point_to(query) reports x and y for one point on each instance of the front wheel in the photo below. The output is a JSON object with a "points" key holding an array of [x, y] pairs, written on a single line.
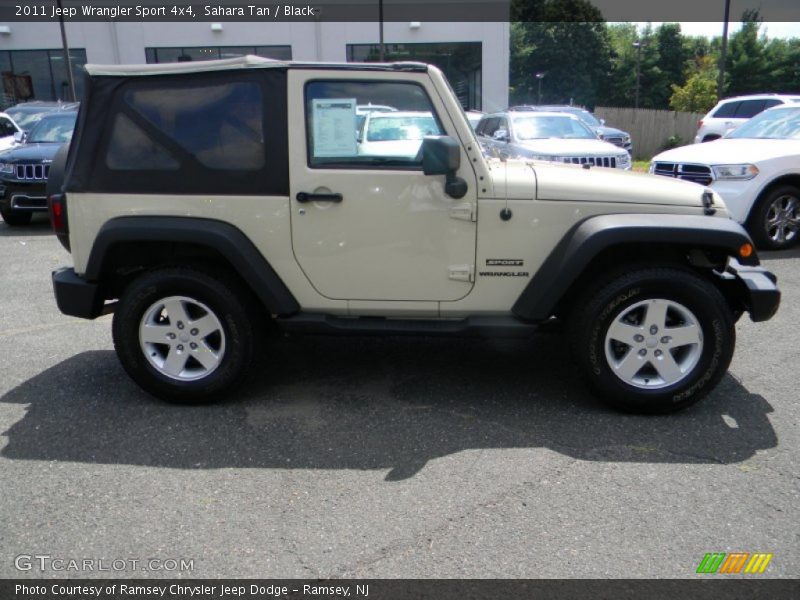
{"points": [[775, 220], [184, 335], [653, 340]]}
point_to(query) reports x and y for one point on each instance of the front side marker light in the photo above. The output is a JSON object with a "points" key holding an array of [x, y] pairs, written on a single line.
{"points": [[746, 250]]}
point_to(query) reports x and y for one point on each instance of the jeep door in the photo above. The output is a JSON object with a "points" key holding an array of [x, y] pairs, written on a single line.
{"points": [[367, 223]]}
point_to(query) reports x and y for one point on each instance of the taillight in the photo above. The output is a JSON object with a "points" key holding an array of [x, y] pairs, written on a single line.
{"points": [[57, 207], [699, 124]]}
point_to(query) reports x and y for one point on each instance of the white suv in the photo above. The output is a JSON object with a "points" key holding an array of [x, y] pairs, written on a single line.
{"points": [[756, 170], [729, 113]]}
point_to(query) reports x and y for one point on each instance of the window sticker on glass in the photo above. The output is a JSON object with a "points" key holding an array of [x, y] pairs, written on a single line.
{"points": [[334, 127]]}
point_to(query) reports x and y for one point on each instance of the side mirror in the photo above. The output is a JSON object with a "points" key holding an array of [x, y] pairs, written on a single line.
{"points": [[19, 137], [602, 121], [441, 155], [501, 135]]}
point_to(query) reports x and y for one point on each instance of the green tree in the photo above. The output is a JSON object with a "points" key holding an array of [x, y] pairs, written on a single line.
{"points": [[661, 61], [699, 93], [565, 39], [783, 60], [671, 61], [747, 69]]}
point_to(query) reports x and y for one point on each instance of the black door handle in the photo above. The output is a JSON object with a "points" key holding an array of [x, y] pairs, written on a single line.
{"points": [[306, 197]]}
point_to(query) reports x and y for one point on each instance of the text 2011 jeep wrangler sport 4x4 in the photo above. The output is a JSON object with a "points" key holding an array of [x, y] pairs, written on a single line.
{"points": [[208, 203]]}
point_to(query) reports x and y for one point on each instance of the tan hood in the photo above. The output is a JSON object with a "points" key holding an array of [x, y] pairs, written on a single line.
{"points": [[571, 182], [526, 180]]}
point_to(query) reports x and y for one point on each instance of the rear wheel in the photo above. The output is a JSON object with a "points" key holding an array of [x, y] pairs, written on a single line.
{"points": [[653, 340], [184, 335], [775, 220], [15, 219], [710, 138]]}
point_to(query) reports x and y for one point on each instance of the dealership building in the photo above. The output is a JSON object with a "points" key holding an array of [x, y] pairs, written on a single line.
{"points": [[474, 56]]}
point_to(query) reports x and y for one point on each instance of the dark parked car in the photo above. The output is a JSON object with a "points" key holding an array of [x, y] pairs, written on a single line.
{"points": [[27, 114], [24, 169], [611, 135]]}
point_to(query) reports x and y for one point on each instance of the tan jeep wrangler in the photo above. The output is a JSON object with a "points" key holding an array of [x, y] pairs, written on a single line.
{"points": [[207, 204]]}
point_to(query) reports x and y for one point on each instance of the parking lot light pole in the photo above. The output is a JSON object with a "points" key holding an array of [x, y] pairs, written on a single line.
{"points": [[381, 47], [638, 45], [540, 76], [723, 55], [67, 61]]}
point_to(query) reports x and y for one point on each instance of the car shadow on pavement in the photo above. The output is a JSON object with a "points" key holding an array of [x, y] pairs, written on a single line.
{"points": [[766, 256], [372, 403], [40, 225]]}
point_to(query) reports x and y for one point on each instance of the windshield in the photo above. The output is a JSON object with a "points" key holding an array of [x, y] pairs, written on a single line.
{"points": [[381, 129], [26, 118], [53, 128], [556, 126], [587, 117], [780, 124]]}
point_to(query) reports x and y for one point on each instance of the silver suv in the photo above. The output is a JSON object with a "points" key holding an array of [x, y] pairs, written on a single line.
{"points": [[548, 136], [729, 113], [274, 217]]}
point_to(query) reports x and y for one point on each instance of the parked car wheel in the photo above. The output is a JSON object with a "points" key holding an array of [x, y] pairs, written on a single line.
{"points": [[15, 219], [774, 222], [184, 335], [710, 138], [654, 340]]}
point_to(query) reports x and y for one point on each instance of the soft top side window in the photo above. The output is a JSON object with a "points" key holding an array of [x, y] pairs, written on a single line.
{"points": [[188, 133], [219, 126]]}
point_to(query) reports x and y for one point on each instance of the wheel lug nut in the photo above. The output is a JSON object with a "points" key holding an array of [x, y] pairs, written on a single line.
{"points": [[653, 330], [657, 352], [193, 346], [666, 339], [180, 324], [642, 352], [171, 336], [180, 348], [194, 331], [638, 338]]}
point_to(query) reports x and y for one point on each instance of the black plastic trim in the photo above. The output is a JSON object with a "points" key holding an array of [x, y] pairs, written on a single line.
{"points": [[75, 296], [759, 287], [321, 324], [229, 241], [590, 237]]}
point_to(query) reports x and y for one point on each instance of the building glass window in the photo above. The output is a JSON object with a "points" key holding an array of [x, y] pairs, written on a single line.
{"points": [[168, 55], [460, 62], [39, 75]]}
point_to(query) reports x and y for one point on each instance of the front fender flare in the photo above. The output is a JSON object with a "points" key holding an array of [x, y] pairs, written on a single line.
{"points": [[590, 237]]}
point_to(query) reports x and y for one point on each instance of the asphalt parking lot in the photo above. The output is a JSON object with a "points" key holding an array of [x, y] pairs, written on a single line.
{"points": [[385, 457]]}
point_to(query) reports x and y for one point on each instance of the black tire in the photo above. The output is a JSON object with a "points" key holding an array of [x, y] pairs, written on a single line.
{"points": [[603, 305], [764, 232], [16, 219], [226, 300], [710, 138]]}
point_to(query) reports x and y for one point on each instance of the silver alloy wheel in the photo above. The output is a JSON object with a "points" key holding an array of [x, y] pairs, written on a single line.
{"points": [[654, 343], [182, 338], [783, 219]]}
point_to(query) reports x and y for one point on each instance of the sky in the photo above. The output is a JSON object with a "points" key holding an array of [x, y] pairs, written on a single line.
{"points": [[772, 30]]}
